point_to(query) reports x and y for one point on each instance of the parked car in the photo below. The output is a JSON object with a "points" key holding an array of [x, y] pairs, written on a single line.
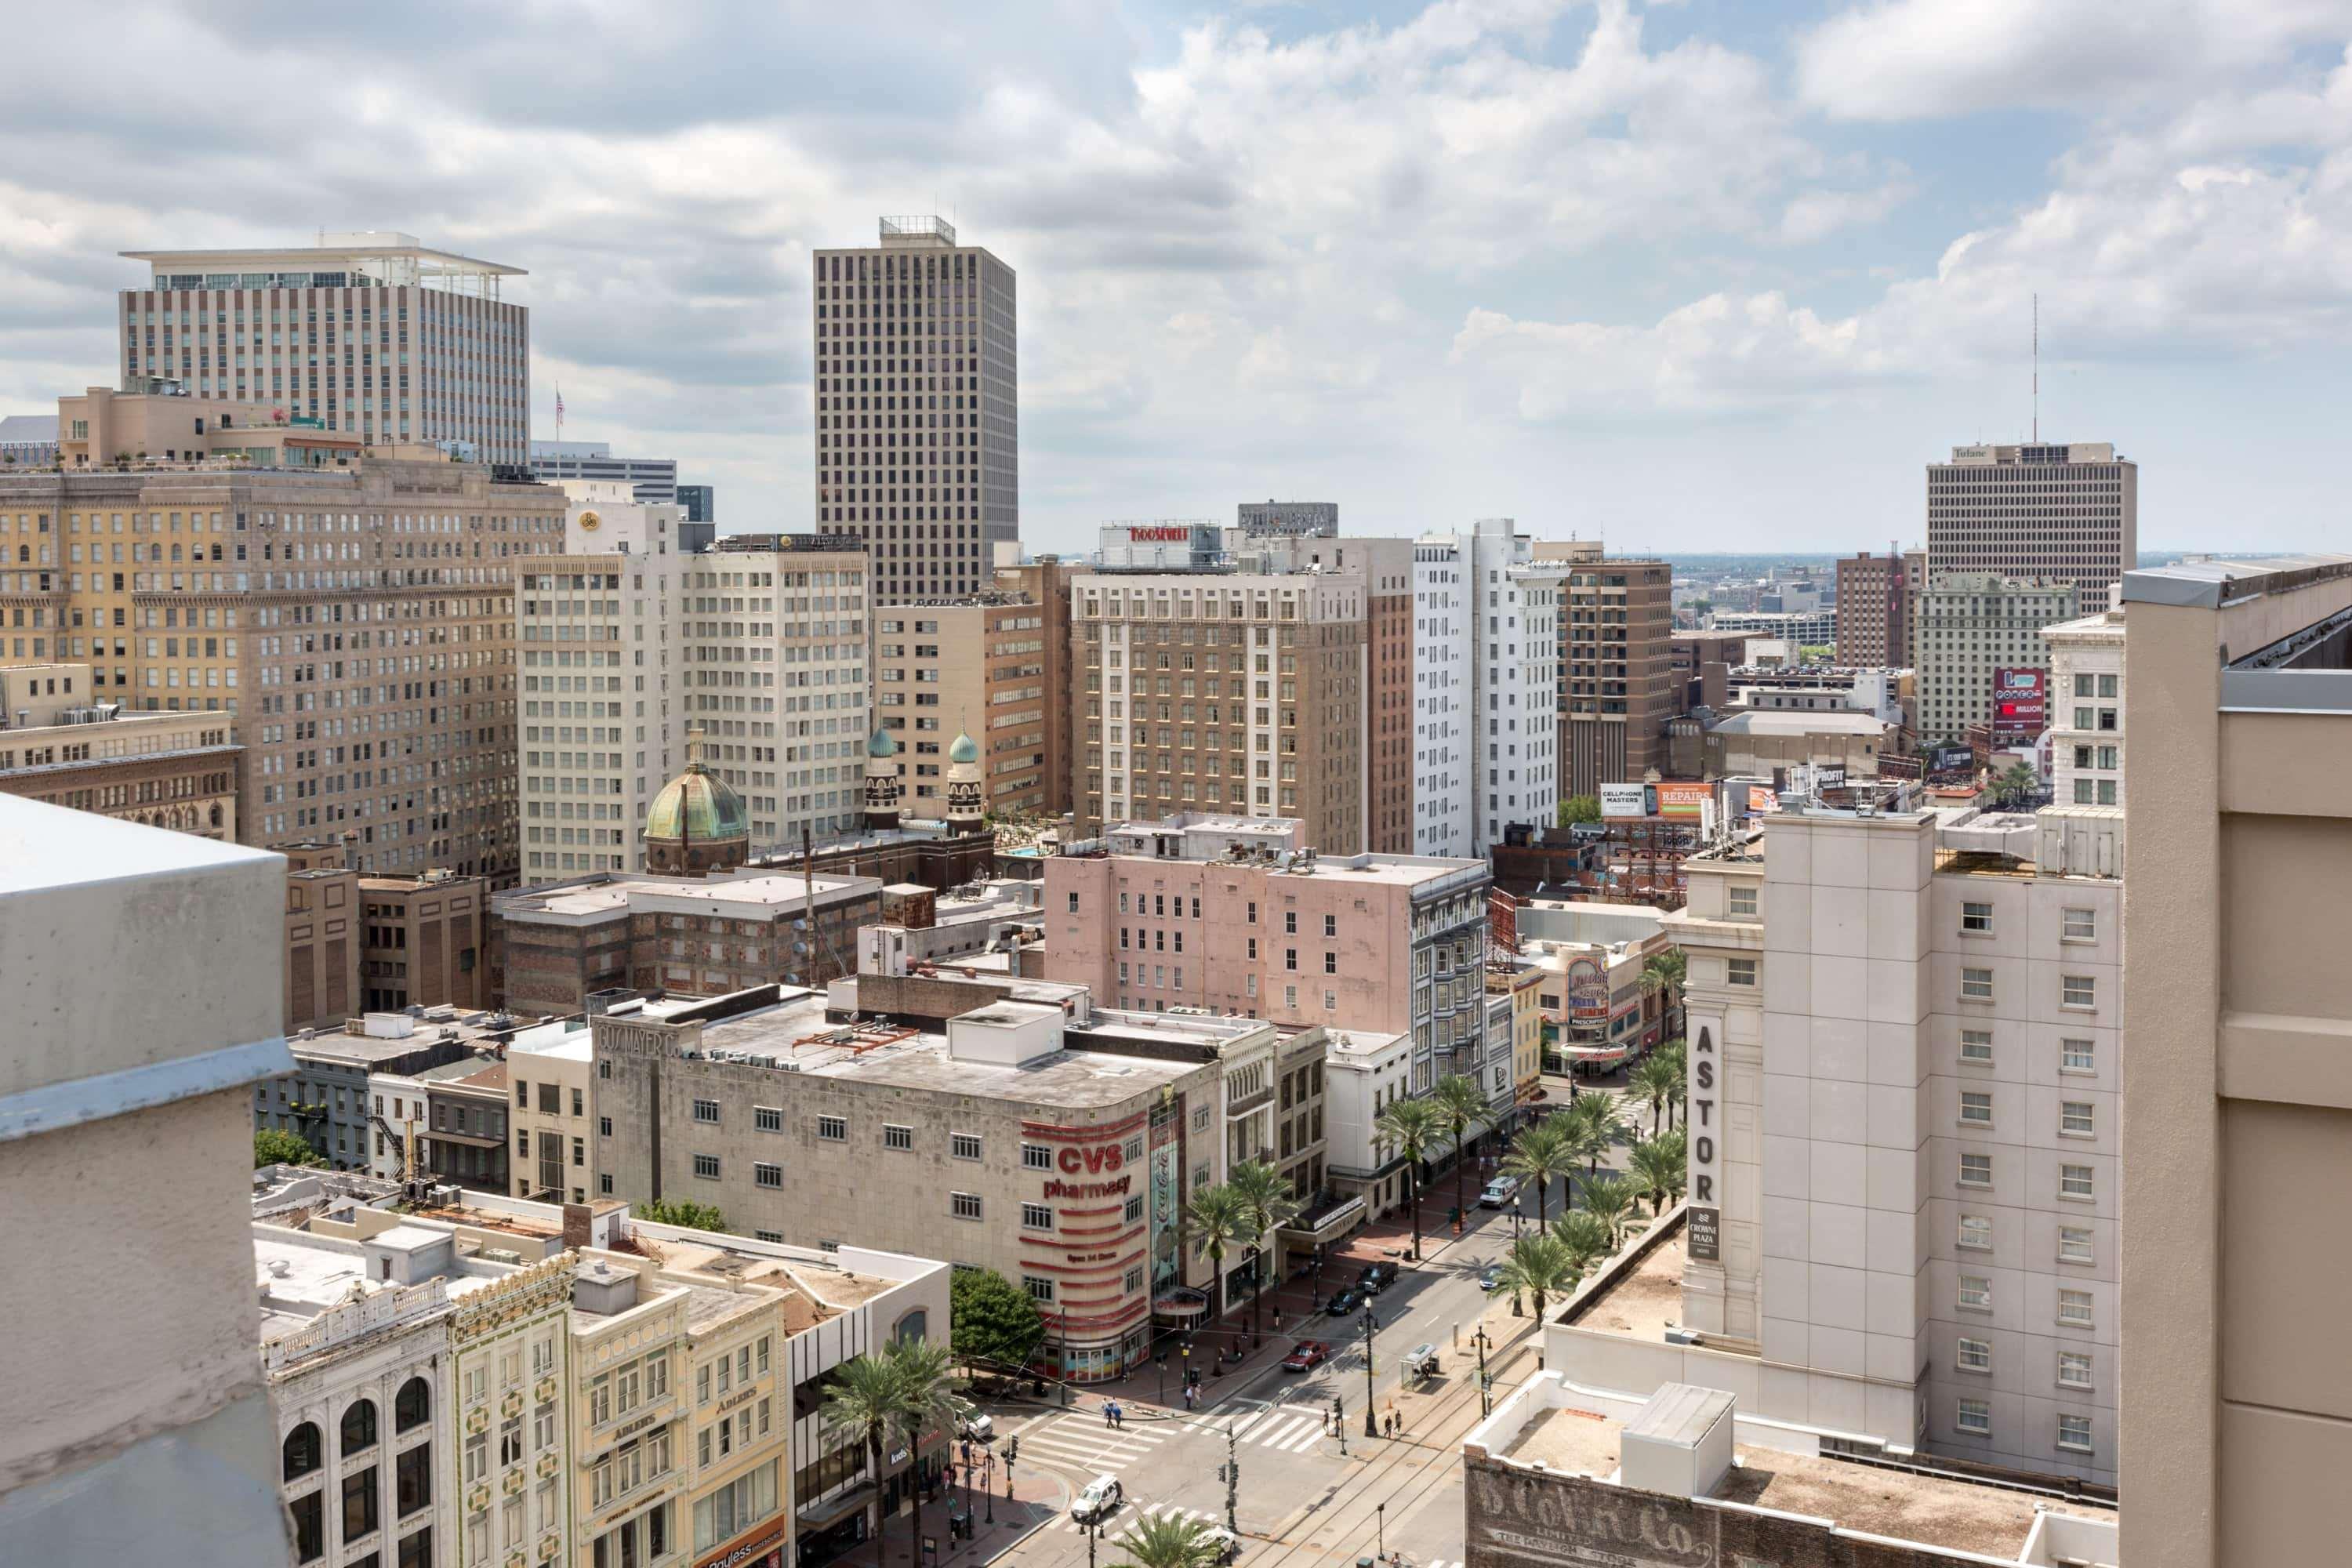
{"points": [[1100, 1499], [1376, 1276], [979, 1426], [1499, 1192], [1222, 1541], [1345, 1301], [1306, 1355]]}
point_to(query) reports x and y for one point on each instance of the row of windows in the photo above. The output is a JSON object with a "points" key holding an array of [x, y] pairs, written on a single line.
{"points": [[2075, 1182], [2080, 992], [2077, 925], [1974, 1419], [2075, 1056], [2076, 1243]]}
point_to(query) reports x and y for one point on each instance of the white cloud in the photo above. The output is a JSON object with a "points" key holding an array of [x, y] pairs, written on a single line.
{"points": [[1917, 60]]}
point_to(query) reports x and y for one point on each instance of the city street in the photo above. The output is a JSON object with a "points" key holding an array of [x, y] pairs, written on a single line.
{"points": [[1300, 1501]]}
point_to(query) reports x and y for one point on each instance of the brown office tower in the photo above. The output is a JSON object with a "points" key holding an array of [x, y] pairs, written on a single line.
{"points": [[1045, 583], [1616, 672], [918, 397], [1872, 599]]}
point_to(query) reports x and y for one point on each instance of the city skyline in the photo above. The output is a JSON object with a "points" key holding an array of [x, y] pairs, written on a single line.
{"points": [[1670, 261]]}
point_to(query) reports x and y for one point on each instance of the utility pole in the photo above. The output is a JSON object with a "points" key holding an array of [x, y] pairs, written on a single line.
{"points": [[1371, 1426], [1233, 1479]]}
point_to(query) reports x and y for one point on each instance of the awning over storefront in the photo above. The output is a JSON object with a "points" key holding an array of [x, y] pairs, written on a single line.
{"points": [[1324, 1223], [1183, 1304]]}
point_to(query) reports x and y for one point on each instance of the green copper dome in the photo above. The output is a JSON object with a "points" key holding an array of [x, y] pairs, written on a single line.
{"points": [[965, 748], [698, 807], [880, 744]]}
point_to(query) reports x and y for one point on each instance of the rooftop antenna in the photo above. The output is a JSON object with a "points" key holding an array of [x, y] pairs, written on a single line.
{"points": [[2037, 368]]}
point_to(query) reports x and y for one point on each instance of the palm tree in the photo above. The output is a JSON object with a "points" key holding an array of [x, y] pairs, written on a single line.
{"points": [[926, 1398], [1594, 1124], [1541, 1152], [1662, 973], [1585, 1239], [1460, 1105], [1167, 1541], [1609, 1199], [1216, 1218], [2018, 786], [1654, 1165], [1676, 1053], [1539, 1265], [864, 1402], [1655, 1081], [1412, 1125], [1268, 1200]]}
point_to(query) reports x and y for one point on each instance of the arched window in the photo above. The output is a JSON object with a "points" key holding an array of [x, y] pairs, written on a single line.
{"points": [[413, 1405], [912, 1328], [358, 1427], [301, 1450]]}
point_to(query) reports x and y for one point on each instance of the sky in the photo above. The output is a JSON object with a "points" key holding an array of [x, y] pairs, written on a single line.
{"points": [[1715, 275]]}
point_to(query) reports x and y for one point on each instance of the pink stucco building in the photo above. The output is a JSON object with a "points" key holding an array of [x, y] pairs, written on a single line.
{"points": [[1234, 915]]}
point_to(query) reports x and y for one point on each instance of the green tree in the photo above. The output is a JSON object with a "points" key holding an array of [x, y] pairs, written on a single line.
{"points": [[1657, 1080], [1655, 1164], [1167, 1541], [1216, 1218], [1579, 808], [1541, 1153], [1585, 1237], [683, 1213], [1662, 973], [1412, 1125], [995, 1323], [271, 1147], [863, 1403], [1461, 1105], [2018, 786], [1266, 1198], [1593, 1123], [926, 1398], [1538, 1266], [1609, 1199]]}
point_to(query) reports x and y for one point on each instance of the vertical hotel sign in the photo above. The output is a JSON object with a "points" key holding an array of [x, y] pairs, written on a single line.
{"points": [[1704, 1225]]}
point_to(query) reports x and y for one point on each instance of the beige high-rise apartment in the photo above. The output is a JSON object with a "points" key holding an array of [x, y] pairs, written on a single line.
{"points": [[602, 725], [774, 627], [1221, 693], [371, 332], [2237, 1134], [2057, 511], [918, 407], [1616, 671], [358, 623], [989, 666]]}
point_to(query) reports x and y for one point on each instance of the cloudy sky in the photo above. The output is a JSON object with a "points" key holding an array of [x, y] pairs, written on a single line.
{"points": [[1713, 275]]}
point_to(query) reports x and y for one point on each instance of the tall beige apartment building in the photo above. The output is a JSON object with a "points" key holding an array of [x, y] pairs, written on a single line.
{"points": [[357, 623], [2058, 511], [918, 407], [1972, 626], [1906, 1036], [775, 636], [1616, 671], [372, 332], [600, 680], [992, 665], [1240, 693], [2238, 1138]]}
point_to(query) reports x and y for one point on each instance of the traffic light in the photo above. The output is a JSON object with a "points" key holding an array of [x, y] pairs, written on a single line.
{"points": [[1339, 1411], [1012, 1452], [1220, 1472]]}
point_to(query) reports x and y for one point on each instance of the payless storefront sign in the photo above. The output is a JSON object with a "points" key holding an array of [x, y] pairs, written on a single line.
{"points": [[760, 1546], [1705, 1217]]}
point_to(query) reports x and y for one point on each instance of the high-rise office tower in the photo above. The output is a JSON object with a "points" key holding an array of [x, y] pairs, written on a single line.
{"points": [[358, 623], [2053, 512], [371, 333], [1616, 671], [918, 407], [1872, 598], [1972, 626]]}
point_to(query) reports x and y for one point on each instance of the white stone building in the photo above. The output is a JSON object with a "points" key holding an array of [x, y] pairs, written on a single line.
{"points": [[1971, 626], [1903, 1111], [2087, 709]]}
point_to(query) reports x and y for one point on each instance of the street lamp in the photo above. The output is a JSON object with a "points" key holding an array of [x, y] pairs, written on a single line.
{"points": [[1371, 1427], [1380, 1530], [1480, 1339], [988, 1484]]}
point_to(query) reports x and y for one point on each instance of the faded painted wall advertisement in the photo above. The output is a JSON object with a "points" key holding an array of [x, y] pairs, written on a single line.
{"points": [[1547, 1522]]}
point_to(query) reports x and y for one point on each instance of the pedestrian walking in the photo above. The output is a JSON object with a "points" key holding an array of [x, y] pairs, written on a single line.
{"points": [[1278, 1319]]}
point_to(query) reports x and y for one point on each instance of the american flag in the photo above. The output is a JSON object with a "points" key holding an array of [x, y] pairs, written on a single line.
{"points": [[559, 405]]}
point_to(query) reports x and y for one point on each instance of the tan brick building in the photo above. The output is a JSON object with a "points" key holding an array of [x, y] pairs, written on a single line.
{"points": [[1616, 676], [167, 769], [1221, 693], [1873, 598], [358, 624], [425, 942]]}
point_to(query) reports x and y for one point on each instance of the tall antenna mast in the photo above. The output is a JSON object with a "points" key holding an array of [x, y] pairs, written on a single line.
{"points": [[2037, 368]]}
